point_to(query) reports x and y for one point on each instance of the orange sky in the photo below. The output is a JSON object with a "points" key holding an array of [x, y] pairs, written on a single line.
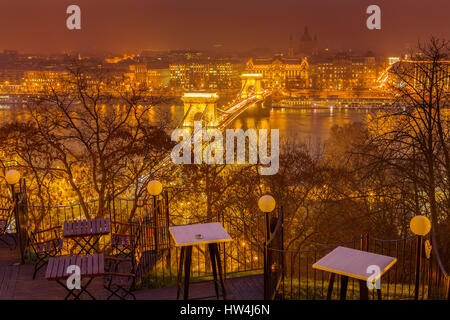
{"points": [[119, 25]]}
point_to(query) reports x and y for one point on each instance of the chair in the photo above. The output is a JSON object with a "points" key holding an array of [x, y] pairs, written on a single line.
{"points": [[121, 242], [6, 215], [45, 244], [117, 282]]}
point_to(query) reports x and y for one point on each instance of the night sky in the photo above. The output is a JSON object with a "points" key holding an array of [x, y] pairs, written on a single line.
{"points": [[237, 25]]}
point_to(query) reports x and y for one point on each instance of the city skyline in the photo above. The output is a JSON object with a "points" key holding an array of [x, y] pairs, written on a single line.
{"points": [[225, 27]]}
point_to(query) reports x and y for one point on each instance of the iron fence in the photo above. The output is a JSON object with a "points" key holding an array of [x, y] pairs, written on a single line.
{"points": [[417, 274]]}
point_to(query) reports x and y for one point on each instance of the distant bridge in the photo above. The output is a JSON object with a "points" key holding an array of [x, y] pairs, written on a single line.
{"points": [[202, 106]]}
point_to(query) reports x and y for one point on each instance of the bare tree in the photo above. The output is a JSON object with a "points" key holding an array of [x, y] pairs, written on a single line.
{"points": [[93, 131], [413, 140]]}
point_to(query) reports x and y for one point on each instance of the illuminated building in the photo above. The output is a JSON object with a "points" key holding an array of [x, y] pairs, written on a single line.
{"points": [[35, 80], [346, 73], [119, 59], [138, 73], [393, 60], [280, 72], [416, 73], [155, 76], [158, 77], [204, 75]]}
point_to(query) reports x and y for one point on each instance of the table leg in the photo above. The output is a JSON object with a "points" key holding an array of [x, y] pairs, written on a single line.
{"points": [[363, 290], [330, 285], [76, 296], [212, 255], [180, 271], [187, 271], [344, 283], [86, 247], [70, 292], [219, 265], [84, 289], [379, 294]]}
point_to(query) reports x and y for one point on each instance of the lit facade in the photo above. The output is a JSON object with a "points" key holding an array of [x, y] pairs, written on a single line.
{"points": [[35, 80], [279, 72], [346, 73], [204, 75], [154, 77]]}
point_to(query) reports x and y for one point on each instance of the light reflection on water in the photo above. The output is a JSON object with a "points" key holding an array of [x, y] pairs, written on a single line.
{"points": [[301, 124]]}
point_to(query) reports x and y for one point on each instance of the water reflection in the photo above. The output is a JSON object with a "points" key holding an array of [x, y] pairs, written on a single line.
{"points": [[301, 124]]}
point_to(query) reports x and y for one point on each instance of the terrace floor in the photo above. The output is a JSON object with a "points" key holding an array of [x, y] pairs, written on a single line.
{"points": [[16, 283]]}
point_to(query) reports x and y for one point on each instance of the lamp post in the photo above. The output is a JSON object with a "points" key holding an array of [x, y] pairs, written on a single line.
{"points": [[154, 188], [420, 226], [266, 204], [12, 178]]}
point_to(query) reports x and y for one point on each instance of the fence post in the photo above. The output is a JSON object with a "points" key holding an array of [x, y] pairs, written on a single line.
{"points": [[418, 263], [367, 242], [281, 253], [448, 288], [133, 253], [166, 209]]}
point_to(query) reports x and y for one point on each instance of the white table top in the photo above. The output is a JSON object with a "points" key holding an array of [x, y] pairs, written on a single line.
{"points": [[211, 233], [354, 263]]}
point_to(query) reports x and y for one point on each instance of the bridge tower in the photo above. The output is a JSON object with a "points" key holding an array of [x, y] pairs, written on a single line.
{"points": [[200, 106], [251, 82]]}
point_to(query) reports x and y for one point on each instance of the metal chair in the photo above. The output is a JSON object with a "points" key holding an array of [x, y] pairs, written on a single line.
{"points": [[45, 244], [116, 281], [121, 242]]}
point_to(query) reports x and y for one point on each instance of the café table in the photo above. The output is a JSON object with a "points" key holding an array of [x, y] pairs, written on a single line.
{"points": [[86, 233], [357, 264], [90, 266], [187, 236]]}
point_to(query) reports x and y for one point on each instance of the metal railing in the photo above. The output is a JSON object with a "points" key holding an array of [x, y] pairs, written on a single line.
{"points": [[418, 274], [150, 239]]}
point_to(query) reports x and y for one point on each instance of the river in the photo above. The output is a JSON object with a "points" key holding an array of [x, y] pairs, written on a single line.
{"points": [[302, 124]]}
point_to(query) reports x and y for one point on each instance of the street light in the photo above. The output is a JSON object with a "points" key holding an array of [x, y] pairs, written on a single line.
{"points": [[12, 176], [420, 226], [154, 187], [266, 203]]}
